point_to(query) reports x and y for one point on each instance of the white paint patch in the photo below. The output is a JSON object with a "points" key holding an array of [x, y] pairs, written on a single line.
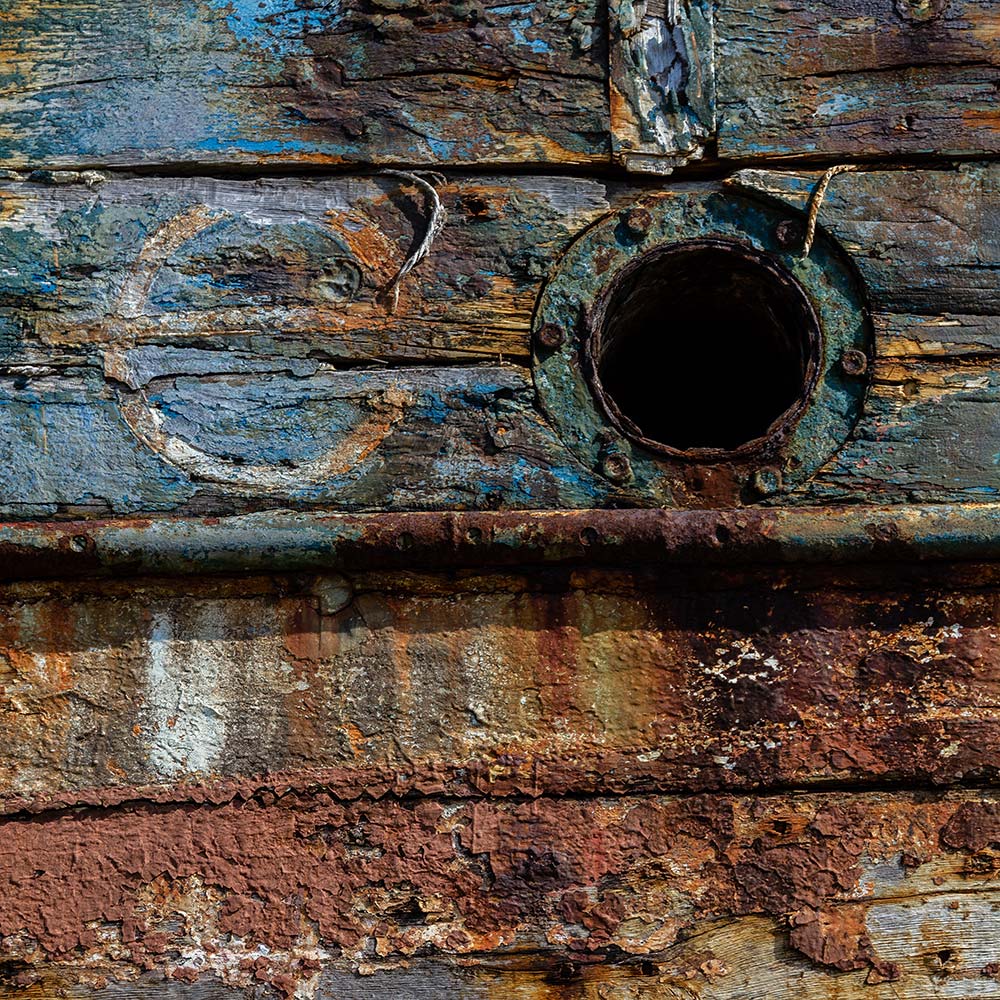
{"points": [[184, 720], [482, 663]]}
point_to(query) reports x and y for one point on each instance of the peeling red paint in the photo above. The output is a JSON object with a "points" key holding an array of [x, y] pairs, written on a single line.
{"points": [[404, 877]]}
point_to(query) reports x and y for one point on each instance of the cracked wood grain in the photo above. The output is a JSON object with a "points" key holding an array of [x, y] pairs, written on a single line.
{"points": [[207, 81], [202, 345], [857, 78], [467, 82], [534, 783]]}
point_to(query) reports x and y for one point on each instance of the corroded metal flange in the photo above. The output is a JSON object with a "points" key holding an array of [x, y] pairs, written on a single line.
{"points": [[823, 304]]}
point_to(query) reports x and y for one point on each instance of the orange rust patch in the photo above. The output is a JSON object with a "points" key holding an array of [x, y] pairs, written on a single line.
{"points": [[979, 118]]}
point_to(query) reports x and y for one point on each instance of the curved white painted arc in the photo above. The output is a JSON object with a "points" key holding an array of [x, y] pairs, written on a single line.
{"points": [[387, 408]]}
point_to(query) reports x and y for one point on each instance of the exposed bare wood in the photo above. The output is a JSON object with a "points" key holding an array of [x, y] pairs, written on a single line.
{"points": [[857, 78]]}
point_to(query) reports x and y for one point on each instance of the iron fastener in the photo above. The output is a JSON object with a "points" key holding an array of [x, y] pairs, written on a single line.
{"points": [[766, 480], [789, 233], [920, 11], [550, 336], [637, 221], [854, 362], [616, 467]]}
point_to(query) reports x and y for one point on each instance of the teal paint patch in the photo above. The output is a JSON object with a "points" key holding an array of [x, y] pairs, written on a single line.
{"points": [[279, 26], [57, 452], [840, 104]]}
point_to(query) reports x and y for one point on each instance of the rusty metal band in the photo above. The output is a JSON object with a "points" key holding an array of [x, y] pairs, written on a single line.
{"points": [[294, 541]]}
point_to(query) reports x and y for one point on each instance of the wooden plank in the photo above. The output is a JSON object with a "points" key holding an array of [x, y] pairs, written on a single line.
{"points": [[213, 81], [436, 84], [415, 438], [562, 681], [925, 242], [851, 78], [303, 264], [163, 338], [884, 895], [266, 292], [928, 431], [932, 412]]}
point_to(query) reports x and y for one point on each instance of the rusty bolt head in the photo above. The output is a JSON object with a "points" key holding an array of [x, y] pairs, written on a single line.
{"points": [[616, 467], [80, 543], [766, 481], [854, 362], [550, 335], [789, 234], [920, 11], [637, 221]]}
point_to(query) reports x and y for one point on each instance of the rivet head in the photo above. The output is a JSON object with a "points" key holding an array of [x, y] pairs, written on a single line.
{"points": [[637, 221], [854, 362], [789, 233], [766, 480], [550, 335], [616, 467], [920, 11], [80, 543]]}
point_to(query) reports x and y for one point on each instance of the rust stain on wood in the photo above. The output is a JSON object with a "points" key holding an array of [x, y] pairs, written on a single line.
{"points": [[274, 887], [349, 651]]}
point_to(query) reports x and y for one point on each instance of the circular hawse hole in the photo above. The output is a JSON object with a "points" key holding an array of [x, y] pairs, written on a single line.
{"points": [[703, 346]]}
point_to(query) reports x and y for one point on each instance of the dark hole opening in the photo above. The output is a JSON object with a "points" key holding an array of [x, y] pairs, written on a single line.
{"points": [[704, 346]]}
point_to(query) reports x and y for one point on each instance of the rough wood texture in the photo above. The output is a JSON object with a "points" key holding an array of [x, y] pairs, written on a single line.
{"points": [[662, 82], [213, 81], [207, 345], [854, 78], [498, 683], [709, 896], [588, 754], [208, 81], [263, 323]]}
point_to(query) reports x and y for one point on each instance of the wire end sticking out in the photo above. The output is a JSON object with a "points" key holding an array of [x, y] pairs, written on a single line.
{"points": [[816, 202], [435, 224]]}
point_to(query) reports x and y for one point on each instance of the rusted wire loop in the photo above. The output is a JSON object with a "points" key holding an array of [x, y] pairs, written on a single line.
{"points": [[816, 202], [435, 224]]}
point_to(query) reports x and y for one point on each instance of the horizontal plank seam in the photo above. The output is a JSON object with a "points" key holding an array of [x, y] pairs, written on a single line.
{"points": [[160, 799], [701, 170]]}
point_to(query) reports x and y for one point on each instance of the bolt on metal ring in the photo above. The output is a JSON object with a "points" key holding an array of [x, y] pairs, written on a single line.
{"points": [[854, 362], [616, 467], [550, 336]]}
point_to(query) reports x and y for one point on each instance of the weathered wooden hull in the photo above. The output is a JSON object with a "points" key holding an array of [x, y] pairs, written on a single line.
{"points": [[217, 346], [357, 640], [201, 81]]}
